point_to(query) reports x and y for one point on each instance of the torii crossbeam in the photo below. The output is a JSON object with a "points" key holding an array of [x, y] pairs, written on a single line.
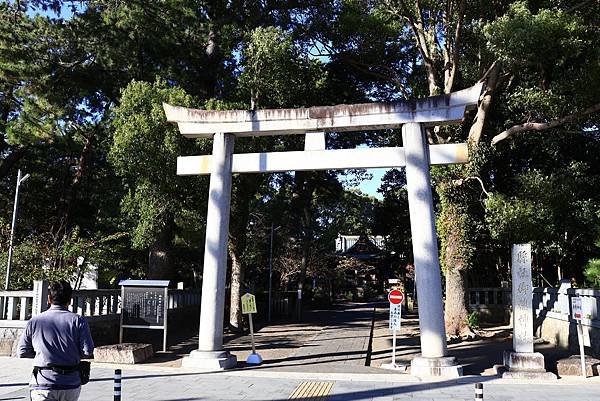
{"points": [[416, 155]]}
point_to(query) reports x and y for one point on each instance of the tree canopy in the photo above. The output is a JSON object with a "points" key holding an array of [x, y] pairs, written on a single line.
{"points": [[81, 88]]}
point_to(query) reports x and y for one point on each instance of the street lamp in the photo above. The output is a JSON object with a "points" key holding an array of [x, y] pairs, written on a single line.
{"points": [[20, 180]]}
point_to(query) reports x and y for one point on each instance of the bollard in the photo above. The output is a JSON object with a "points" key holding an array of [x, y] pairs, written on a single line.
{"points": [[478, 391], [117, 386]]}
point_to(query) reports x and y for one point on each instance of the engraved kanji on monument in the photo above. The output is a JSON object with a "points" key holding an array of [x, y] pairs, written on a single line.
{"points": [[522, 362], [521, 294]]}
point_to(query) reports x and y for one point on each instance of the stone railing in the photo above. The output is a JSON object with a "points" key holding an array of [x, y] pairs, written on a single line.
{"points": [[489, 296], [554, 321], [17, 307], [101, 308], [556, 303], [492, 303], [96, 303], [184, 298]]}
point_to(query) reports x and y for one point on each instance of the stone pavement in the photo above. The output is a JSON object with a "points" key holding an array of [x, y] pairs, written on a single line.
{"points": [[175, 384], [331, 348]]}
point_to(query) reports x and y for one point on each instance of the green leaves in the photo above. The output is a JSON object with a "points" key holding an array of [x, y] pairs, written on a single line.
{"points": [[144, 152], [521, 38], [276, 73]]}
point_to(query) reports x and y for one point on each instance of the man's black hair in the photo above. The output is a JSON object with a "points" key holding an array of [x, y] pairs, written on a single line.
{"points": [[61, 292]]}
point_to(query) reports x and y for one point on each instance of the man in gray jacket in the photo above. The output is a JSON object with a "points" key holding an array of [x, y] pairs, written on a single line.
{"points": [[56, 340]]}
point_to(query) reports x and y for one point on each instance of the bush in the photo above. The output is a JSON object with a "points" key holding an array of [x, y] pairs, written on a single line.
{"points": [[473, 321], [592, 272]]}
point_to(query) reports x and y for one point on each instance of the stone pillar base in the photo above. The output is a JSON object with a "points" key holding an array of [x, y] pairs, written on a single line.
{"points": [[526, 365], [209, 360], [446, 366]]}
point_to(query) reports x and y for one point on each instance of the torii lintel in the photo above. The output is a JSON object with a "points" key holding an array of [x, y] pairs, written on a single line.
{"points": [[435, 110]]}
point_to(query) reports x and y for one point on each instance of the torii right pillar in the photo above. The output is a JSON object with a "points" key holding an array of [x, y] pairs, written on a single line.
{"points": [[434, 359]]}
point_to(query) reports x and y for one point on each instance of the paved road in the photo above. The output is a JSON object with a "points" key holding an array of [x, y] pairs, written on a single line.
{"points": [[174, 385], [334, 355]]}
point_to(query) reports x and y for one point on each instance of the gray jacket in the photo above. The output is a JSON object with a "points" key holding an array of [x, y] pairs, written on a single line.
{"points": [[56, 337]]}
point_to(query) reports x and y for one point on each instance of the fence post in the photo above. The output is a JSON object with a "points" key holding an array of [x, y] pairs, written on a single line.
{"points": [[40, 297]]}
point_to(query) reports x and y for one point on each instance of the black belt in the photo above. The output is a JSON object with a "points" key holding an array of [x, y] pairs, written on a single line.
{"points": [[62, 370]]}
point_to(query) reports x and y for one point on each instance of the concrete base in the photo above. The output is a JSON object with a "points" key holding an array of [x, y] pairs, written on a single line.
{"points": [[6, 346], [571, 366], [394, 366], [526, 365], [529, 375], [446, 366], [209, 360], [129, 353]]}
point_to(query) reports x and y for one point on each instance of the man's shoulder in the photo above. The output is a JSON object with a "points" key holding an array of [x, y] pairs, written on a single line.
{"points": [[56, 314]]}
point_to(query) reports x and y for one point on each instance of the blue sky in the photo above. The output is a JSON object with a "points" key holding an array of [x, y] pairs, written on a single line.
{"points": [[370, 187]]}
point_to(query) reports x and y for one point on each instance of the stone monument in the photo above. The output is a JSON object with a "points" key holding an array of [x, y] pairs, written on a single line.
{"points": [[522, 361]]}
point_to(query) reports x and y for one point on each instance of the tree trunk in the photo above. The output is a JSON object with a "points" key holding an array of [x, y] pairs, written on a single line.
{"points": [[237, 279], [160, 263], [456, 256], [456, 312], [244, 187]]}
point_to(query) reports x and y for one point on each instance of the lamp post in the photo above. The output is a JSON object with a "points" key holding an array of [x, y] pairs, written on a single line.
{"points": [[271, 270], [20, 180]]}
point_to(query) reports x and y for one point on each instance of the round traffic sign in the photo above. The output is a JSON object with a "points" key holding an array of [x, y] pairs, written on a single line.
{"points": [[395, 297]]}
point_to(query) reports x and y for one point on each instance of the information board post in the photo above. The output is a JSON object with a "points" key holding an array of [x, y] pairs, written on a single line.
{"points": [[577, 314], [395, 297], [144, 305], [248, 308]]}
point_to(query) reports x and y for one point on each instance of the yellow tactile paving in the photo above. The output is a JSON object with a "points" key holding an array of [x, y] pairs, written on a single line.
{"points": [[313, 391]]}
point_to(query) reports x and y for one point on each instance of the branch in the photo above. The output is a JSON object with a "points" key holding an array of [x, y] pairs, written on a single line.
{"points": [[418, 28], [456, 47], [516, 129], [463, 180], [491, 78]]}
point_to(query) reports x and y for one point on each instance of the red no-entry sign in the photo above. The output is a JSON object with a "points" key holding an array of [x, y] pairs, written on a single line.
{"points": [[395, 297]]}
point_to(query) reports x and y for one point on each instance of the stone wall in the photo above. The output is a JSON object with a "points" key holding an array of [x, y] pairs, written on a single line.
{"points": [[558, 330], [9, 340]]}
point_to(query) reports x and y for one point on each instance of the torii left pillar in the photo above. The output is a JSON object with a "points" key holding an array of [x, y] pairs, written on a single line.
{"points": [[210, 353]]}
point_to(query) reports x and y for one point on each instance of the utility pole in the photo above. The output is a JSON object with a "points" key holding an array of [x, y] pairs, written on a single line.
{"points": [[20, 180]]}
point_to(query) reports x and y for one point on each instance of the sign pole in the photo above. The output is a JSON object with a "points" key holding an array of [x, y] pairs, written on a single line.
{"points": [[394, 348], [577, 313], [248, 308], [252, 333], [395, 297], [581, 349]]}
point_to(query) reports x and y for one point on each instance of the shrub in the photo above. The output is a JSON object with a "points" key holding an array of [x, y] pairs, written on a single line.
{"points": [[473, 320], [592, 272]]}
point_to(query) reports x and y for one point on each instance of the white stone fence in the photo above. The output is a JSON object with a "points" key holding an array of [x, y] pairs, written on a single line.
{"points": [[556, 303], [17, 307], [554, 321]]}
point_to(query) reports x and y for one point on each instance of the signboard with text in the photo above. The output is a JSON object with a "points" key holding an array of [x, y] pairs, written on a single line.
{"points": [[395, 297], [248, 303], [576, 309], [144, 306]]}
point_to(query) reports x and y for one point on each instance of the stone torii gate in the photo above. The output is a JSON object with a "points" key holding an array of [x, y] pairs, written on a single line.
{"points": [[416, 155]]}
